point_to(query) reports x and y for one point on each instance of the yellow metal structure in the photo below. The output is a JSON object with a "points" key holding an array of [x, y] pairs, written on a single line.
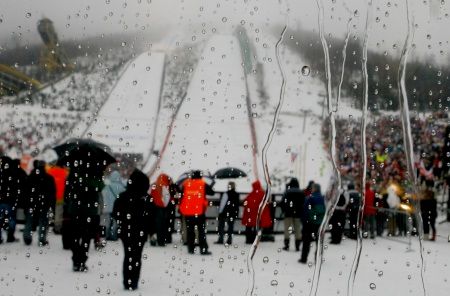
{"points": [[13, 81]]}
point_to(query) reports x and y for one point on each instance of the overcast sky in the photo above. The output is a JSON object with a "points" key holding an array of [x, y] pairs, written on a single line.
{"points": [[79, 18]]}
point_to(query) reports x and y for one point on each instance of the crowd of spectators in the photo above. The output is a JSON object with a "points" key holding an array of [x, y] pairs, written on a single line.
{"points": [[49, 116], [386, 157], [29, 132], [393, 198]]}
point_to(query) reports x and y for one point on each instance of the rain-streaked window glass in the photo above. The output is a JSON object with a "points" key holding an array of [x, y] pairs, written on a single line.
{"points": [[253, 148]]}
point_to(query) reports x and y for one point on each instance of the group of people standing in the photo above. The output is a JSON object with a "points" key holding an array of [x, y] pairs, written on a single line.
{"points": [[304, 211], [34, 193], [126, 206]]}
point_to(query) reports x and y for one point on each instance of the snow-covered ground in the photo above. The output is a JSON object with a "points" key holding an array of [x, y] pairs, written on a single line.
{"points": [[386, 268]]}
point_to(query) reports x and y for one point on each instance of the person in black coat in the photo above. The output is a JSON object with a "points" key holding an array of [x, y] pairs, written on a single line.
{"points": [[228, 213], [354, 202], [132, 212], [292, 206], [20, 183], [338, 219], [7, 199], [12, 186], [81, 212], [40, 200], [428, 208]]}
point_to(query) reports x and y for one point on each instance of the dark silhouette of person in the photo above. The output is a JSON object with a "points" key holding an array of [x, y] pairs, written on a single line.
{"points": [[228, 213], [132, 210], [314, 211], [82, 213], [40, 200]]}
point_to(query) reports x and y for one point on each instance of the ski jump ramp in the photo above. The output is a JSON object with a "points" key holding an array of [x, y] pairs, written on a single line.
{"points": [[211, 130], [128, 120]]}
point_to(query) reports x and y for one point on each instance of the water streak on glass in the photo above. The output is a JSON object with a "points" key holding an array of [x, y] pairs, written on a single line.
{"points": [[407, 135], [251, 254], [337, 175], [344, 57], [359, 242]]}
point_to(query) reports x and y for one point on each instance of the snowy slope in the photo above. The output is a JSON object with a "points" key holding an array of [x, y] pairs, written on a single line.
{"points": [[127, 120], [211, 130], [297, 148]]}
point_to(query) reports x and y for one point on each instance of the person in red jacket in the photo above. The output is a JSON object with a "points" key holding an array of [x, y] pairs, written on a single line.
{"points": [[193, 207], [59, 174], [163, 200], [370, 212], [250, 215]]}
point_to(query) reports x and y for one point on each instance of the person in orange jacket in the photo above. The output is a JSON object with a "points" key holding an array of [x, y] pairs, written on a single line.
{"points": [[193, 207], [250, 215]]}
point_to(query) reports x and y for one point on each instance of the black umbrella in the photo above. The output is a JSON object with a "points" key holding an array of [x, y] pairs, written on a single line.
{"points": [[84, 153], [229, 173]]}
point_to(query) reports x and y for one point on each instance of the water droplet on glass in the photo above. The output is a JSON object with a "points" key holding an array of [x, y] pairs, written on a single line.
{"points": [[306, 70]]}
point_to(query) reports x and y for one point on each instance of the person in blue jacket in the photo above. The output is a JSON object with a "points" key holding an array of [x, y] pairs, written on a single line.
{"points": [[313, 214]]}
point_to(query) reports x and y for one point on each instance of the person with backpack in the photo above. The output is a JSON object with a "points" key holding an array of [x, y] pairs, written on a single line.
{"points": [[313, 214], [338, 219]]}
